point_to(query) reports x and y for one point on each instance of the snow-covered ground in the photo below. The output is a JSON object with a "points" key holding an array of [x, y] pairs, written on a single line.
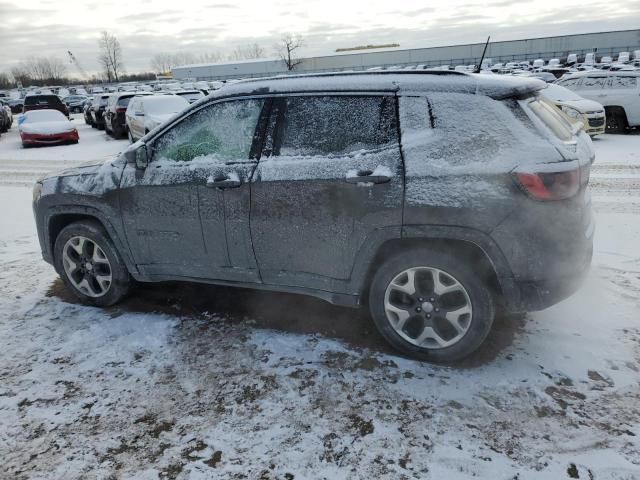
{"points": [[201, 382]]}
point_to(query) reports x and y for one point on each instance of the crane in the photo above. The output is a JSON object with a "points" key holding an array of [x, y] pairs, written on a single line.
{"points": [[74, 60]]}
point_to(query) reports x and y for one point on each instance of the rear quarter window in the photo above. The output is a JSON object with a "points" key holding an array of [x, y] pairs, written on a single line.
{"points": [[620, 81]]}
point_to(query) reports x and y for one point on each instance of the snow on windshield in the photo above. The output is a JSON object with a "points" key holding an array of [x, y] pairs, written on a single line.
{"points": [[35, 116], [164, 104]]}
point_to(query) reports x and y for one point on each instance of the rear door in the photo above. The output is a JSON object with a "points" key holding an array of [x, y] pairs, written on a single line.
{"points": [[623, 91], [330, 179]]}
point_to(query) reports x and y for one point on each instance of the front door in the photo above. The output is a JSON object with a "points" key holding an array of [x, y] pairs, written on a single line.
{"points": [[331, 176], [187, 213]]}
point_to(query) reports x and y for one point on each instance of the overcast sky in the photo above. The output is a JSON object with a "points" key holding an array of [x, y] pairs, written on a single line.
{"points": [[51, 27]]}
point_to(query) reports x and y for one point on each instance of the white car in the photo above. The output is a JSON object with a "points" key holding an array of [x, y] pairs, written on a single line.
{"points": [[144, 113], [618, 92], [587, 112], [190, 96]]}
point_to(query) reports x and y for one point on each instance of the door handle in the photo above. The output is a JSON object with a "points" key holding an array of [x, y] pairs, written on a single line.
{"points": [[366, 176], [226, 181]]}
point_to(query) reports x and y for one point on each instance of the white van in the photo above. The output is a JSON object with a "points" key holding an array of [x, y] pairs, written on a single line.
{"points": [[618, 92]]}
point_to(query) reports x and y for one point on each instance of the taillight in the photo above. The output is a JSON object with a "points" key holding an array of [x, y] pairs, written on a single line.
{"points": [[121, 110], [550, 186]]}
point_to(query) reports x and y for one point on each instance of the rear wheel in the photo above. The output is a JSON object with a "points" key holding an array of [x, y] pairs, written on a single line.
{"points": [[90, 265], [430, 305], [616, 120]]}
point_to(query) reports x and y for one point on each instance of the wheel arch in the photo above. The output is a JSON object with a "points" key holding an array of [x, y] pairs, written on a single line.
{"points": [[58, 219], [475, 247]]}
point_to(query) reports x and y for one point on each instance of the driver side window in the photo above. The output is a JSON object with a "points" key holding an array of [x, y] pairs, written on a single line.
{"points": [[220, 132]]}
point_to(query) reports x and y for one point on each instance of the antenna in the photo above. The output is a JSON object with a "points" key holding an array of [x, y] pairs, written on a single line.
{"points": [[479, 67]]}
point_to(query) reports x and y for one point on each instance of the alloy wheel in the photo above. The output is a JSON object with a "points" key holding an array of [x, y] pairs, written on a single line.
{"points": [[86, 266], [428, 307]]}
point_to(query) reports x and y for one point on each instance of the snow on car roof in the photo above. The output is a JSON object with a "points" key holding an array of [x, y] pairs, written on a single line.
{"points": [[388, 80]]}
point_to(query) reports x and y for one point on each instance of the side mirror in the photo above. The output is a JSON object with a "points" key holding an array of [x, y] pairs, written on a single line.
{"points": [[138, 156]]}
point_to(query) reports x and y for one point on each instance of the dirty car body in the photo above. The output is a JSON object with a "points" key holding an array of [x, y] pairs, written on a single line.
{"points": [[325, 185]]}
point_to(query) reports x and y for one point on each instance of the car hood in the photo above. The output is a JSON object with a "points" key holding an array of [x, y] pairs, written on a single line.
{"points": [[158, 118], [46, 128], [582, 105], [91, 178]]}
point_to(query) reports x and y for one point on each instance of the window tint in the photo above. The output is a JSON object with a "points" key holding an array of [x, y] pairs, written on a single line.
{"points": [[623, 82], [593, 82], [223, 131], [325, 125], [123, 101]]}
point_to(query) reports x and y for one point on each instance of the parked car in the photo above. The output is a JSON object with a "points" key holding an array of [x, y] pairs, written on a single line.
{"points": [[431, 197], [115, 121], [96, 110], [144, 113], [75, 103], [618, 92], [16, 105], [6, 116], [46, 127], [588, 113], [86, 110], [190, 96], [44, 102]]}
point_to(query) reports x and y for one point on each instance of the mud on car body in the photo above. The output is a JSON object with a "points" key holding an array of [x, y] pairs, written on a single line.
{"points": [[429, 198]]}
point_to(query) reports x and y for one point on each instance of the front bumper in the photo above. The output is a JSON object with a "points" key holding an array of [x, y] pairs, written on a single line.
{"points": [[38, 139], [594, 123]]}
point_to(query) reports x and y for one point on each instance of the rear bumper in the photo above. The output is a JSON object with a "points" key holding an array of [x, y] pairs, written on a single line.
{"points": [[531, 296]]}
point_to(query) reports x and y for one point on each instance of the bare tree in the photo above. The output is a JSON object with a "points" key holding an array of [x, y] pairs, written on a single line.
{"points": [[162, 62], [286, 50], [210, 57], [110, 57], [247, 52], [40, 69]]}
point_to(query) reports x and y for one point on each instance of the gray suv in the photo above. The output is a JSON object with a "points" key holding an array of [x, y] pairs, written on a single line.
{"points": [[432, 198]]}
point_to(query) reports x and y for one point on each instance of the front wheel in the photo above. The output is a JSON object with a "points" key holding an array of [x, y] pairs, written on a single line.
{"points": [[431, 305], [90, 265]]}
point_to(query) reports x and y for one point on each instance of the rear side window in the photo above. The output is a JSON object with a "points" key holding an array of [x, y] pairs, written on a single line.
{"points": [[336, 125], [623, 82], [551, 117]]}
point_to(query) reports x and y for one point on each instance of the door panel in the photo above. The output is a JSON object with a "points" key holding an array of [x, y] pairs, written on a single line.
{"points": [[215, 145], [310, 212]]}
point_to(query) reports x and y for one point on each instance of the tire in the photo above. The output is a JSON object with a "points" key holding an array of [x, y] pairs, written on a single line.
{"points": [[406, 332], [616, 120], [108, 280]]}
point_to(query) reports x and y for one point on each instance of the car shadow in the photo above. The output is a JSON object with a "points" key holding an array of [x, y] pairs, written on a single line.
{"points": [[284, 312]]}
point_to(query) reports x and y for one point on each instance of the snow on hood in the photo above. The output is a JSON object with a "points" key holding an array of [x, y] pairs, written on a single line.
{"points": [[583, 105], [46, 128], [158, 118]]}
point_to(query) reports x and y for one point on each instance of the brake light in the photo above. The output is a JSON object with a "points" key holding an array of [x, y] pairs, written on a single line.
{"points": [[121, 110], [550, 186]]}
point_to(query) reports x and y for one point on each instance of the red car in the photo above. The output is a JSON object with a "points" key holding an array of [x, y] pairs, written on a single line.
{"points": [[46, 127]]}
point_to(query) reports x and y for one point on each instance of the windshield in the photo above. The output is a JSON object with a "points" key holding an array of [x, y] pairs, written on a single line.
{"points": [[560, 94], [165, 104]]}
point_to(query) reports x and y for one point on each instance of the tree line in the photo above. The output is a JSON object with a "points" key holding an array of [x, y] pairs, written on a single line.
{"points": [[40, 70]]}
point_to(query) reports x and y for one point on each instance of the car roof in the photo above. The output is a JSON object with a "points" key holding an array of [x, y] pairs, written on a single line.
{"points": [[602, 73], [401, 81]]}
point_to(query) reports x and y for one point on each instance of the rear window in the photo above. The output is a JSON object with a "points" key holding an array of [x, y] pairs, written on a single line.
{"points": [[123, 101], [551, 117], [42, 100], [336, 124]]}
